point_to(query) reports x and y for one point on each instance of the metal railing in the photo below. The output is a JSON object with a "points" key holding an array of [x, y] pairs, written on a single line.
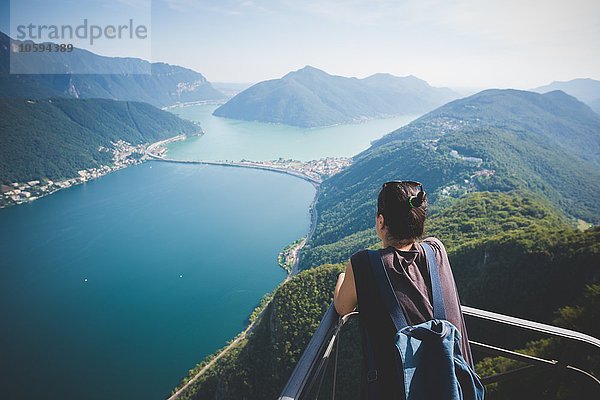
{"points": [[310, 369]]}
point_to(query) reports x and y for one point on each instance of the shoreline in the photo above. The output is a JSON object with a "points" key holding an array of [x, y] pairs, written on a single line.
{"points": [[314, 171], [353, 121], [258, 311], [313, 181], [156, 151], [124, 155], [195, 103], [72, 183], [311, 232], [42, 187]]}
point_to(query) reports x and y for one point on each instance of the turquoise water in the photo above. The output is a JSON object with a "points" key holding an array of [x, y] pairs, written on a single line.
{"points": [[115, 288], [228, 139]]}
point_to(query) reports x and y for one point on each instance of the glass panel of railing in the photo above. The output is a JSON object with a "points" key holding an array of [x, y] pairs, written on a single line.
{"points": [[341, 377], [549, 379]]}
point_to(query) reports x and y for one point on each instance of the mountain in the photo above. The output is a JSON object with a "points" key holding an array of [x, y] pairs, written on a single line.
{"points": [[496, 140], [310, 97], [586, 90], [555, 117], [166, 85], [55, 138]]}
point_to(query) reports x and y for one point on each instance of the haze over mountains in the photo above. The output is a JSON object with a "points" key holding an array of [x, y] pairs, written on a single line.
{"points": [[166, 85], [585, 89], [311, 97]]}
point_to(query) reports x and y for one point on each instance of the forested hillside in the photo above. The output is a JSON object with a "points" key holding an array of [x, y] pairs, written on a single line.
{"points": [[460, 223], [54, 138]]}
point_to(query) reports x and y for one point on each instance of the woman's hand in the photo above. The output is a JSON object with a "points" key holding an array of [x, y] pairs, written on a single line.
{"points": [[344, 296]]}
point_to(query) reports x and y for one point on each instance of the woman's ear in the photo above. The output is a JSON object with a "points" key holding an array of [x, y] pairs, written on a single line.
{"points": [[379, 226], [380, 221]]}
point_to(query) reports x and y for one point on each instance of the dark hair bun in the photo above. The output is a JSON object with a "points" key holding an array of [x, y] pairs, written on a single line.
{"points": [[404, 207], [417, 201]]}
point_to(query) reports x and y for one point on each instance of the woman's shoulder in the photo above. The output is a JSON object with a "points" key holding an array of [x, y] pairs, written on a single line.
{"points": [[359, 259], [361, 254], [435, 243], [440, 252]]}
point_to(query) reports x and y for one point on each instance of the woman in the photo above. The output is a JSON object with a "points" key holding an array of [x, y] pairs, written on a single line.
{"points": [[401, 209]]}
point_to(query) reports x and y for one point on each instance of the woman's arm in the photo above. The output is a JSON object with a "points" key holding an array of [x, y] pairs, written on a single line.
{"points": [[344, 296]]}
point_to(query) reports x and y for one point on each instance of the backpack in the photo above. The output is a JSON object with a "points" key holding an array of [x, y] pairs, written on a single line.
{"points": [[428, 354]]}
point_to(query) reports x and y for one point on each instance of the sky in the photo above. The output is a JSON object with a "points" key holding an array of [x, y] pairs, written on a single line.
{"points": [[456, 43]]}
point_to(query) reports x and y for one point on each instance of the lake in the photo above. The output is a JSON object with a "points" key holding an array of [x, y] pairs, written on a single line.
{"points": [[114, 289], [228, 139]]}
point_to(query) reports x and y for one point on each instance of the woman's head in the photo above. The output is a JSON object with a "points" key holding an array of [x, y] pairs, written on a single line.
{"points": [[401, 209]]}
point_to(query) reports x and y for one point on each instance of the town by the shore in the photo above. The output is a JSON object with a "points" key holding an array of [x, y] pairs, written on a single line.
{"points": [[314, 171], [126, 154]]}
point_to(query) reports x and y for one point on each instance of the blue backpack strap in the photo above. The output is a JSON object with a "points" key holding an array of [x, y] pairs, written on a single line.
{"points": [[371, 367], [387, 290], [439, 310]]}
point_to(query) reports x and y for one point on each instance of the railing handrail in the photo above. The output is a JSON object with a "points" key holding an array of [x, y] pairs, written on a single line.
{"points": [[317, 350], [530, 325]]}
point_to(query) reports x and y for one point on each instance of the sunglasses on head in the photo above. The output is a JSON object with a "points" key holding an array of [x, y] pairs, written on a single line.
{"points": [[409, 183]]}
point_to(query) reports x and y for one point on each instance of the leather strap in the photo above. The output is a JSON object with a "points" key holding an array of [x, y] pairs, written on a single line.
{"points": [[386, 290], [439, 310]]}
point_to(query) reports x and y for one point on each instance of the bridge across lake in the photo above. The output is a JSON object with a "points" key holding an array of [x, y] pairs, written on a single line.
{"points": [[153, 155]]}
